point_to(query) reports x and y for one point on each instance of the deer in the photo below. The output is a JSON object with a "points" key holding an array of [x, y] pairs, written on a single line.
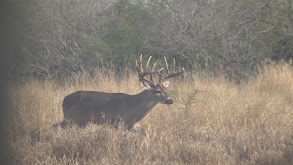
{"points": [[83, 107]]}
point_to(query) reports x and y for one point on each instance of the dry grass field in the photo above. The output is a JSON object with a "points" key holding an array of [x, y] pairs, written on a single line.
{"points": [[213, 121]]}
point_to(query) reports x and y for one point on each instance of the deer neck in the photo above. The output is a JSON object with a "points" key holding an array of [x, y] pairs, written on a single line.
{"points": [[144, 103], [146, 100]]}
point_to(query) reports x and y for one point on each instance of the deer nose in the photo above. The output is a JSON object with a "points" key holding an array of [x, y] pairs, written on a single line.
{"points": [[170, 101]]}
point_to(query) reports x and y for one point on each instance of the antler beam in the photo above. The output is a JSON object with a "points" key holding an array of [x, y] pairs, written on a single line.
{"points": [[169, 75]]}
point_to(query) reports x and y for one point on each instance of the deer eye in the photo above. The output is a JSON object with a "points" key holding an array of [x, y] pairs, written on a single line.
{"points": [[158, 92]]}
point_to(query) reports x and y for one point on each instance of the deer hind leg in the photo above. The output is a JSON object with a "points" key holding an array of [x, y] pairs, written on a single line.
{"points": [[63, 124]]}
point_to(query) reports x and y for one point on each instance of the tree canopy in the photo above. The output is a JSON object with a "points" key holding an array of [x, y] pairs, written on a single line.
{"points": [[219, 36]]}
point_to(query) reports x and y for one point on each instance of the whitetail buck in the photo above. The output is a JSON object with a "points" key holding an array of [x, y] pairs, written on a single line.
{"points": [[83, 107]]}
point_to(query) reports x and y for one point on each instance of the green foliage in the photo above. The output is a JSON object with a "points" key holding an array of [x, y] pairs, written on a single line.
{"points": [[93, 50], [278, 25], [125, 38], [220, 37], [189, 100], [122, 42]]}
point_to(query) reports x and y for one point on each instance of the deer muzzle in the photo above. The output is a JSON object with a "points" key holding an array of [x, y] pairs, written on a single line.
{"points": [[169, 101]]}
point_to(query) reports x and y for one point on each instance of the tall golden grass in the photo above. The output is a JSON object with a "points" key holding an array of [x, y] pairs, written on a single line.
{"points": [[213, 121]]}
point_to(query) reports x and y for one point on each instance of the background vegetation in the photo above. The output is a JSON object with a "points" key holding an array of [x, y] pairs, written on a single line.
{"points": [[219, 36]]}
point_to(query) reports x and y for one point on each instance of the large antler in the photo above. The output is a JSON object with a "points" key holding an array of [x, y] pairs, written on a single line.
{"points": [[143, 72], [169, 75]]}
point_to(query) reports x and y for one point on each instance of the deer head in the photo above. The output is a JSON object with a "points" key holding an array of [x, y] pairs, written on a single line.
{"points": [[158, 89]]}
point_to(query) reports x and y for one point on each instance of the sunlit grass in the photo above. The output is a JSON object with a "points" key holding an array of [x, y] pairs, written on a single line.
{"points": [[212, 121]]}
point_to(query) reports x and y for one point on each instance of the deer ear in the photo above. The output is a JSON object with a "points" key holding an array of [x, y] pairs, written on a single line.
{"points": [[166, 84], [144, 84]]}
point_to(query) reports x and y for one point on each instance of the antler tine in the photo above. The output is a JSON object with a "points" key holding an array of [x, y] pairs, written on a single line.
{"points": [[137, 68], [140, 63], [153, 71], [154, 66], [151, 76], [160, 78], [142, 73], [147, 64], [167, 67], [174, 65]]}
